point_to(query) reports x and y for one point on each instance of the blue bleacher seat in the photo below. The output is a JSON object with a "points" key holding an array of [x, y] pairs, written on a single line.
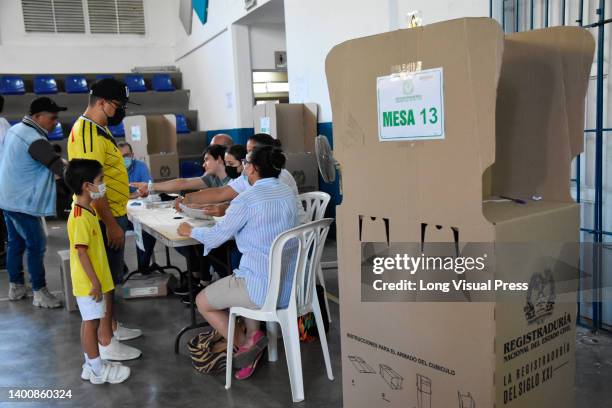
{"points": [[57, 133], [162, 83], [118, 130], [45, 84], [13, 122], [76, 84], [190, 168], [181, 124], [11, 85], [135, 83]]}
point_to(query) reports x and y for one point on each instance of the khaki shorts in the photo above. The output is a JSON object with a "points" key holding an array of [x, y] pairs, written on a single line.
{"points": [[229, 292]]}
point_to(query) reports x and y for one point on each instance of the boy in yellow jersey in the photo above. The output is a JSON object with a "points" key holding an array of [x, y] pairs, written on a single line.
{"points": [[91, 139], [91, 277]]}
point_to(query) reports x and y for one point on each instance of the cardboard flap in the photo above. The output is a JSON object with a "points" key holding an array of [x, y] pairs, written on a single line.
{"points": [[540, 111], [435, 181], [294, 124], [374, 229]]}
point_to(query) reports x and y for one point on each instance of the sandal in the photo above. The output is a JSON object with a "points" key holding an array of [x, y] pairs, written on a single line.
{"points": [[247, 372], [245, 355]]}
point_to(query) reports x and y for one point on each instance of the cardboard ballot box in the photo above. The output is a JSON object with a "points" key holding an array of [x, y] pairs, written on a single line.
{"points": [[138, 287], [469, 114], [153, 139]]}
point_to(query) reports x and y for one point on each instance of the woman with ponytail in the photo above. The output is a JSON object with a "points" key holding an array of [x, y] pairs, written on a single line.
{"points": [[254, 218]]}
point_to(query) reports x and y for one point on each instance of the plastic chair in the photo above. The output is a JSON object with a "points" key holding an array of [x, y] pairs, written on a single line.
{"points": [[117, 130], [75, 84], [315, 203], [45, 85], [162, 83], [11, 85], [181, 124], [57, 133], [135, 83], [310, 239]]}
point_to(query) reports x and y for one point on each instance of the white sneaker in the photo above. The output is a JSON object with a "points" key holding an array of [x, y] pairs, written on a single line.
{"points": [[118, 351], [42, 298], [123, 333], [17, 291], [112, 373]]}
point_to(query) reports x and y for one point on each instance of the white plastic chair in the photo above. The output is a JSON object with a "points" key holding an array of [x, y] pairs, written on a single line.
{"points": [[310, 239], [315, 203]]}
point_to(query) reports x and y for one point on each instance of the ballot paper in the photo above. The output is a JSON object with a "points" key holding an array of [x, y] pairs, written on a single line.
{"points": [[194, 213]]}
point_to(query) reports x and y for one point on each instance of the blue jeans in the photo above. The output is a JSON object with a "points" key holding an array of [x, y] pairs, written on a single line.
{"points": [[115, 256], [25, 233]]}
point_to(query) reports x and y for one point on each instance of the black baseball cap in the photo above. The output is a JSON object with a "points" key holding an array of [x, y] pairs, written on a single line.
{"points": [[112, 90], [45, 104]]}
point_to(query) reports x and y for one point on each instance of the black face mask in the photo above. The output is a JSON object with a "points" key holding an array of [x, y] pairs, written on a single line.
{"points": [[117, 118], [232, 172]]}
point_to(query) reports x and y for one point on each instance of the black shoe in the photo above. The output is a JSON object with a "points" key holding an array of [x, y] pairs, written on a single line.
{"points": [[181, 290], [184, 289], [195, 290]]}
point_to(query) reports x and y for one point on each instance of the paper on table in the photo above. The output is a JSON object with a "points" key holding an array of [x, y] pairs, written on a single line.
{"points": [[194, 213]]}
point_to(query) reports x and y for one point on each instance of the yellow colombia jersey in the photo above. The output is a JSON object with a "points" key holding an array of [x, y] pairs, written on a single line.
{"points": [[84, 230], [88, 140]]}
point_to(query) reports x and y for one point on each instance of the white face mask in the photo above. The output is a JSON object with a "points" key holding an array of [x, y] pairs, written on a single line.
{"points": [[100, 193]]}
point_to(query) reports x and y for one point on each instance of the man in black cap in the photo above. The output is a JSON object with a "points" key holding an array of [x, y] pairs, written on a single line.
{"points": [[28, 166], [91, 139]]}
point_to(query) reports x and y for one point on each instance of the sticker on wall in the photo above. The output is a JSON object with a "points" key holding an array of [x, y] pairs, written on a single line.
{"points": [[264, 125], [136, 136], [411, 106]]}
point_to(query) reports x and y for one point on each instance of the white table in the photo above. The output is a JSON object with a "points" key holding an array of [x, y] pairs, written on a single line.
{"points": [[162, 221]]}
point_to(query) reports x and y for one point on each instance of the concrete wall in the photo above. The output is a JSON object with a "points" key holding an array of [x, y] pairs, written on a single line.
{"points": [[22, 52]]}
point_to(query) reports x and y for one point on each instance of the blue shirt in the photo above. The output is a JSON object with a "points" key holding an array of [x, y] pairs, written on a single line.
{"points": [[255, 218], [26, 185], [138, 172]]}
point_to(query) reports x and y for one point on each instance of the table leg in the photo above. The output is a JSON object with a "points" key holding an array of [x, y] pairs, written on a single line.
{"points": [[193, 324]]}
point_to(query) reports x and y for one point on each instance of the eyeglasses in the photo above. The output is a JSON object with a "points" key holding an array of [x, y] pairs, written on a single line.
{"points": [[245, 162], [118, 105]]}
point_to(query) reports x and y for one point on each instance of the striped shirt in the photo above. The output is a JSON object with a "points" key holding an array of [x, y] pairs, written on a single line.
{"points": [[255, 218], [89, 140], [241, 184]]}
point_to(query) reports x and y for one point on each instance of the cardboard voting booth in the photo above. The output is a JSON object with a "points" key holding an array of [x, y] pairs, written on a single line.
{"points": [[452, 114], [295, 126], [153, 140]]}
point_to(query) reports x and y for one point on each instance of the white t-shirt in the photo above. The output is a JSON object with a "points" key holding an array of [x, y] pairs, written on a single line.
{"points": [[241, 184], [4, 127]]}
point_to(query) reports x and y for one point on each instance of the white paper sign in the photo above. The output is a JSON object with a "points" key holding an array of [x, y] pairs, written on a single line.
{"points": [[264, 125], [144, 291], [138, 232], [136, 133], [411, 106]]}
